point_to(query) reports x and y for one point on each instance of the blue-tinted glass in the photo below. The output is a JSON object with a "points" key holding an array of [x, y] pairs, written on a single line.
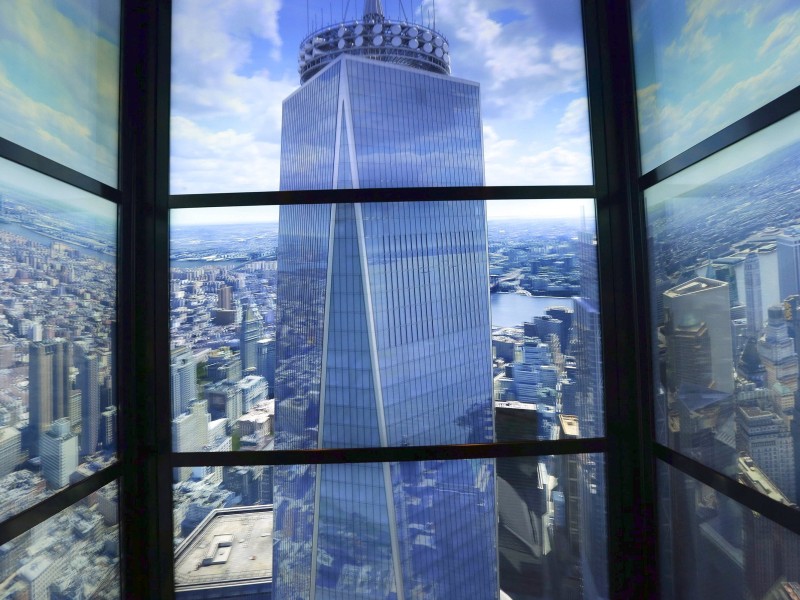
{"points": [[701, 66], [724, 268], [74, 554], [713, 547], [58, 416], [59, 81]]}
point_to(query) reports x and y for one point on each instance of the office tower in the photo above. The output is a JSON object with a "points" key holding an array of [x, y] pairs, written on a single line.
{"points": [[183, 373], [190, 434], [266, 350], [589, 400], [225, 297], [383, 331], [724, 269], [565, 315], [10, 449], [59, 452], [762, 433], [49, 387], [789, 262], [254, 390], [701, 303], [223, 364], [252, 330], [89, 384], [108, 428], [224, 400], [752, 289], [777, 352]]}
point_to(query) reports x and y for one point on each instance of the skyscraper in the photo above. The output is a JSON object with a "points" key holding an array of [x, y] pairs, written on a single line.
{"points": [[252, 330], [383, 330], [777, 352], [49, 387], [90, 403], [183, 373], [752, 290], [789, 262]]}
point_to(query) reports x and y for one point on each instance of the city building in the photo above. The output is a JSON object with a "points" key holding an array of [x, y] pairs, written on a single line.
{"points": [[265, 359], [788, 243], [88, 378], [347, 322], [10, 449], [228, 555], [252, 330], [49, 388], [777, 352], [697, 321], [752, 291], [190, 433], [183, 371], [59, 452]]}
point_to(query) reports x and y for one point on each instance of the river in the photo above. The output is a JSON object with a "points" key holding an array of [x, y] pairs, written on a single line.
{"points": [[45, 240], [510, 310]]}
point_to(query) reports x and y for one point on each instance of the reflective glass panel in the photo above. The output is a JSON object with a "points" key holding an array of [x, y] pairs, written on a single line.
{"points": [[58, 283], [384, 324], [59, 81], [725, 273], [534, 527], [713, 547], [450, 93], [74, 554], [700, 66]]}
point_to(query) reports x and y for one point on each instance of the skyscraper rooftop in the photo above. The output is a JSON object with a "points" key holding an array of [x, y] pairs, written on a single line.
{"points": [[376, 37]]}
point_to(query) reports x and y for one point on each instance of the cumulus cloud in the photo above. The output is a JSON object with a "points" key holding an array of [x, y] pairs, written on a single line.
{"points": [[59, 83]]}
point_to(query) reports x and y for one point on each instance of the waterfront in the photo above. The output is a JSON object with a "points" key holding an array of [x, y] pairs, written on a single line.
{"points": [[510, 310]]}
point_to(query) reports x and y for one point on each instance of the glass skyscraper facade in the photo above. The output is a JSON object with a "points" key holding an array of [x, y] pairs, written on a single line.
{"points": [[383, 331]]}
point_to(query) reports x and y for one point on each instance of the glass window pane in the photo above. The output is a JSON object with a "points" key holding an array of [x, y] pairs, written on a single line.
{"points": [[384, 324], [58, 411], [701, 66], [535, 527], [713, 547], [513, 111], [724, 268], [74, 554], [59, 81]]}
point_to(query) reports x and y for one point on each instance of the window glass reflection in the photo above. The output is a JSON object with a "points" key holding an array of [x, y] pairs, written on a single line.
{"points": [[713, 547], [700, 67], [724, 274], [59, 81], [384, 324], [378, 530], [74, 554], [58, 415]]}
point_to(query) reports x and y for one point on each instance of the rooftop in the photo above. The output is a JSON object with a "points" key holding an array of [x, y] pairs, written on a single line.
{"points": [[232, 546]]}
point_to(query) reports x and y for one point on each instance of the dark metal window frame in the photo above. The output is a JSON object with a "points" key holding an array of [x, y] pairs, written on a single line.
{"points": [[146, 460]]}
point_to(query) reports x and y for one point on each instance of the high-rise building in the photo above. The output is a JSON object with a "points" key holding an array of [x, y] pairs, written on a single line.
{"points": [[265, 361], [88, 378], [10, 448], [183, 373], [59, 452], [190, 434], [252, 330], [788, 243], [589, 400], [698, 303], [752, 290], [49, 387], [777, 352], [383, 330]]}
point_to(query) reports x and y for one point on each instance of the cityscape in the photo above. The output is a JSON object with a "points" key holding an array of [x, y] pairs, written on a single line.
{"points": [[725, 290], [58, 416]]}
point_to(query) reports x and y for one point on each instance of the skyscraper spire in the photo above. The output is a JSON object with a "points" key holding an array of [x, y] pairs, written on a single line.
{"points": [[373, 10]]}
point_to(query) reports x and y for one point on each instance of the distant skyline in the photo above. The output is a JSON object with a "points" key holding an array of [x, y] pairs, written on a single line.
{"points": [[703, 64], [565, 208], [233, 65]]}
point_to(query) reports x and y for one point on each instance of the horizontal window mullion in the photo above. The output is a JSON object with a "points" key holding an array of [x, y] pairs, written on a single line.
{"points": [[381, 195], [41, 511], [782, 514], [46, 166], [767, 115], [390, 454]]}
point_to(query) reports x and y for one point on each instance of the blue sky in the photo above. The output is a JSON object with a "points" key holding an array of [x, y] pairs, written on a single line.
{"points": [[235, 61], [702, 64], [59, 81]]}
